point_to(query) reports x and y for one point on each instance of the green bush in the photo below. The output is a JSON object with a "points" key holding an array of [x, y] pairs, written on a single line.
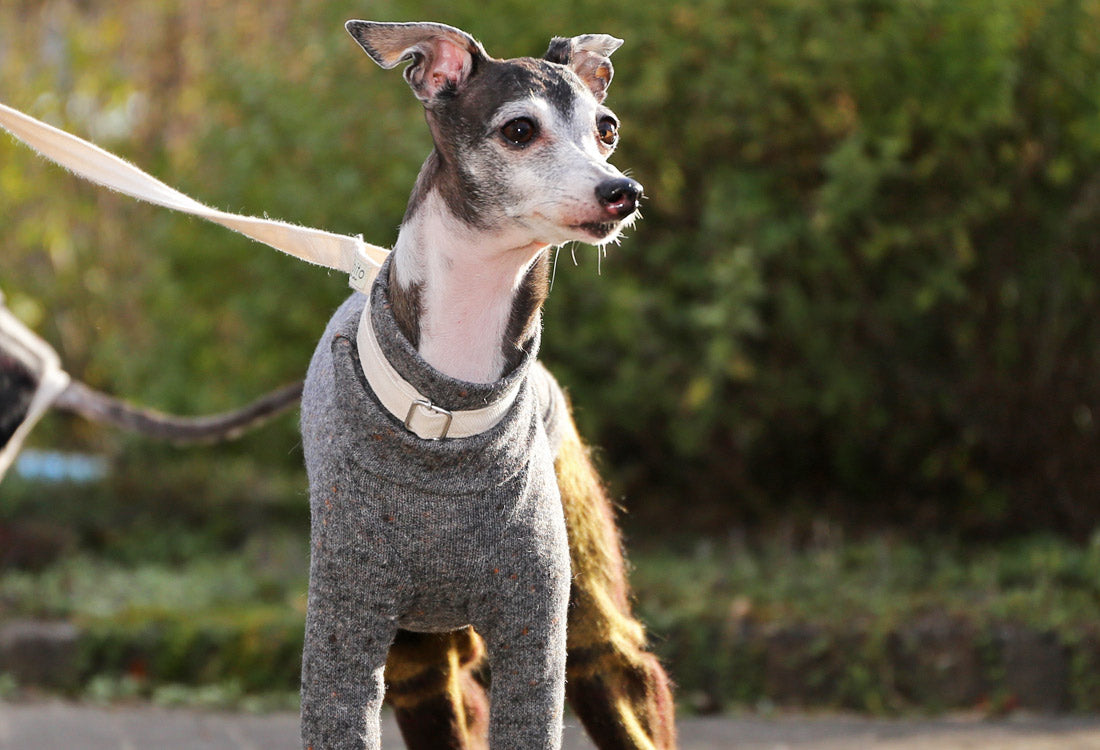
{"points": [[865, 285], [866, 282]]}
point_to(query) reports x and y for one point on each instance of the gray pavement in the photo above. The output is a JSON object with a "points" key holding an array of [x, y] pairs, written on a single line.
{"points": [[66, 726]]}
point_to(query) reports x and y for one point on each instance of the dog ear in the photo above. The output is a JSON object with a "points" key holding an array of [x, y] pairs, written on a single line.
{"points": [[589, 55], [442, 56]]}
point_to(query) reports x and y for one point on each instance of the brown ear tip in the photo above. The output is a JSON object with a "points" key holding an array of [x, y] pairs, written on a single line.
{"points": [[360, 32], [355, 27], [559, 51]]}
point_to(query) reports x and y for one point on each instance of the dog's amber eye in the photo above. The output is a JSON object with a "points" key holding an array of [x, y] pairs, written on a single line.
{"points": [[608, 130], [519, 131]]}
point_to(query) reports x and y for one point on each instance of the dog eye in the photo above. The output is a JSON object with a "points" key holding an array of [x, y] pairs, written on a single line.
{"points": [[608, 130], [519, 131]]}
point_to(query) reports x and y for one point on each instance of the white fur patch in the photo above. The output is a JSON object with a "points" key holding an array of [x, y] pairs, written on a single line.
{"points": [[468, 280]]}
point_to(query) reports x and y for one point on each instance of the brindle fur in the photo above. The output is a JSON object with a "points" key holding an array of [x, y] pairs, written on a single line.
{"points": [[526, 305], [405, 302]]}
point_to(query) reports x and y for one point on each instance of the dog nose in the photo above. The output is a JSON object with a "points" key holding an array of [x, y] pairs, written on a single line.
{"points": [[619, 196]]}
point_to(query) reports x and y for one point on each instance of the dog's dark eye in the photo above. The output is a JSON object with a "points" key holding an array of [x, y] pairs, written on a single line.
{"points": [[608, 130], [519, 131]]}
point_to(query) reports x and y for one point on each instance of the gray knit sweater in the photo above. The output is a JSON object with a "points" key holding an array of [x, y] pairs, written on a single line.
{"points": [[429, 536]]}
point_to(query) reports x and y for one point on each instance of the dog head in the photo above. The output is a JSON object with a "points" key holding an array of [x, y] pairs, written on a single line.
{"points": [[521, 145]]}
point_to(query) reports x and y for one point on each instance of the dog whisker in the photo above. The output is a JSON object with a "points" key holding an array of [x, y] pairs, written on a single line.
{"points": [[554, 266]]}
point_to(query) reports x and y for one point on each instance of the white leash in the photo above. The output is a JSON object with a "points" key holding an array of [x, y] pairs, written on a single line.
{"points": [[338, 251], [352, 255]]}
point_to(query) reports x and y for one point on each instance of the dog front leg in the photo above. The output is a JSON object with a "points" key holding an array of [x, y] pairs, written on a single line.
{"points": [[523, 617], [342, 685], [526, 695], [342, 675], [350, 626]]}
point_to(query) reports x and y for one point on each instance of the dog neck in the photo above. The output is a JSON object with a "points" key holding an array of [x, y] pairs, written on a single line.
{"points": [[466, 298]]}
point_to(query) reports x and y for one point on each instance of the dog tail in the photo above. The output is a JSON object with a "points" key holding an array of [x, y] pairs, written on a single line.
{"points": [[32, 382]]}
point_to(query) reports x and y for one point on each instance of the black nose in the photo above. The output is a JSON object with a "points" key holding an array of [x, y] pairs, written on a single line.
{"points": [[619, 196]]}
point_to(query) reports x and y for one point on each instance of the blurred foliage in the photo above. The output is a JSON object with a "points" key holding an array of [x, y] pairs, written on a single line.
{"points": [[882, 625], [1039, 581], [865, 286]]}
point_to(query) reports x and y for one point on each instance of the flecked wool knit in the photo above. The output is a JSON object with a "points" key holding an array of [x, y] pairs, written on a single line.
{"points": [[430, 536]]}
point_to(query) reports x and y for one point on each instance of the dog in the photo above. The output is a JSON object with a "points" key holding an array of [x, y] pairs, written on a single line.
{"points": [[447, 481]]}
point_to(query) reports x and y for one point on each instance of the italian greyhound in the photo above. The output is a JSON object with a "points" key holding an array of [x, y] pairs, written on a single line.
{"points": [[430, 433]]}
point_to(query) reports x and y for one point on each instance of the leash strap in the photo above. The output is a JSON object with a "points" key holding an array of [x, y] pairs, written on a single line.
{"points": [[337, 251]]}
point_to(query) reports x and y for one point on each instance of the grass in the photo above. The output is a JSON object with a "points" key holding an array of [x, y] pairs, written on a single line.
{"points": [[1043, 581], [87, 587]]}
